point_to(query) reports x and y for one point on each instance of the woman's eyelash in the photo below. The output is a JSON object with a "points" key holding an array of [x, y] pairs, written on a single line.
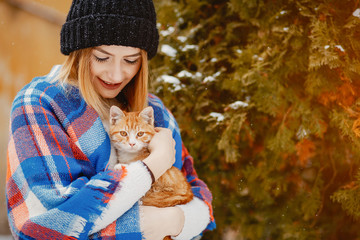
{"points": [[106, 58], [100, 59], [131, 61]]}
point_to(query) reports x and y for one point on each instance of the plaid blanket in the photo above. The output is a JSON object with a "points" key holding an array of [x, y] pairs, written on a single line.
{"points": [[57, 183]]}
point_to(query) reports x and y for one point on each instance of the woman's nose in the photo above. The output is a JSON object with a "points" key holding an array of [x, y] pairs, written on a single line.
{"points": [[115, 74]]}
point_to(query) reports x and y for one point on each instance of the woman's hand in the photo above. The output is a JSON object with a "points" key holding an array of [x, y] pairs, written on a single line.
{"points": [[162, 152], [157, 223]]}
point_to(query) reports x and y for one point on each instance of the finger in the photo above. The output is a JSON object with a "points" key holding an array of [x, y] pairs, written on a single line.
{"points": [[157, 129]]}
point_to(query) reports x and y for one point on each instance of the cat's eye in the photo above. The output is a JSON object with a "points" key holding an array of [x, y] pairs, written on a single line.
{"points": [[140, 134], [123, 133]]}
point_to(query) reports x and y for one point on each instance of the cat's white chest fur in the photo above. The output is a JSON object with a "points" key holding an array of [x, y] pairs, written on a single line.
{"points": [[126, 157]]}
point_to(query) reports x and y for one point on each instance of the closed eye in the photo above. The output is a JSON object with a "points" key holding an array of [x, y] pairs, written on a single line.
{"points": [[101, 59], [132, 61]]}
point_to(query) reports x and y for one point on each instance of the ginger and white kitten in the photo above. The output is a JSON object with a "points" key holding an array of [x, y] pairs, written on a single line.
{"points": [[130, 134]]}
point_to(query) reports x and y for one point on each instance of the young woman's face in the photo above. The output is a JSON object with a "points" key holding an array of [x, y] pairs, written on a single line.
{"points": [[112, 67]]}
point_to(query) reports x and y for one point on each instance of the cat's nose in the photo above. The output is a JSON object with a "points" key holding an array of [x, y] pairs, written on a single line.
{"points": [[132, 144]]}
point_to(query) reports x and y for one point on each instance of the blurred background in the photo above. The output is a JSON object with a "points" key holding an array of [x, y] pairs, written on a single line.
{"points": [[266, 94]]}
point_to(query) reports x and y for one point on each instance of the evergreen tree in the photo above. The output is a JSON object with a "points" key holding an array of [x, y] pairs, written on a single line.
{"points": [[266, 93]]}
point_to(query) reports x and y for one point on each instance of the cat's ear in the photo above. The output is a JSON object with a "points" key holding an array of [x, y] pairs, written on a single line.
{"points": [[148, 115], [115, 114]]}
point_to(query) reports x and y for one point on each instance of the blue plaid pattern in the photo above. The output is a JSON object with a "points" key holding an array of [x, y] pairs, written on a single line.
{"points": [[56, 184]]}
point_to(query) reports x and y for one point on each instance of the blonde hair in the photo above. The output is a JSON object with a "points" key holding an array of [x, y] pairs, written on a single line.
{"points": [[76, 71]]}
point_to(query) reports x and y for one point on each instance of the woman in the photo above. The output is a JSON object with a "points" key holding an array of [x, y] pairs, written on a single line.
{"points": [[58, 185]]}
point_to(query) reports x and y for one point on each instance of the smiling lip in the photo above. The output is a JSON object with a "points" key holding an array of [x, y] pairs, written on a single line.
{"points": [[109, 86]]}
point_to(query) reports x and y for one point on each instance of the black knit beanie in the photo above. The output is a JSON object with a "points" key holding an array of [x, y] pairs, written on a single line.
{"points": [[93, 23]]}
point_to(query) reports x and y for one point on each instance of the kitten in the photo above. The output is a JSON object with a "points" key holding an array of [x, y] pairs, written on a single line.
{"points": [[130, 134]]}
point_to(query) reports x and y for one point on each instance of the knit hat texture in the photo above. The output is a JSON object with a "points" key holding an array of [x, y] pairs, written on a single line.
{"points": [[93, 23]]}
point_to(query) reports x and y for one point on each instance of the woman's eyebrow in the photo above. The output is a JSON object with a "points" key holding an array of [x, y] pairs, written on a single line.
{"points": [[103, 51], [134, 55]]}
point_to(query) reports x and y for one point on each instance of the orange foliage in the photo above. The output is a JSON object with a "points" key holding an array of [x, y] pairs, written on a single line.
{"points": [[322, 17], [352, 185], [356, 127], [305, 149], [324, 127], [345, 95]]}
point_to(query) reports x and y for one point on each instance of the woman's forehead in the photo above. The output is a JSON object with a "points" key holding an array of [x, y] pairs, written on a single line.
{"points": [[118, 50]]}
